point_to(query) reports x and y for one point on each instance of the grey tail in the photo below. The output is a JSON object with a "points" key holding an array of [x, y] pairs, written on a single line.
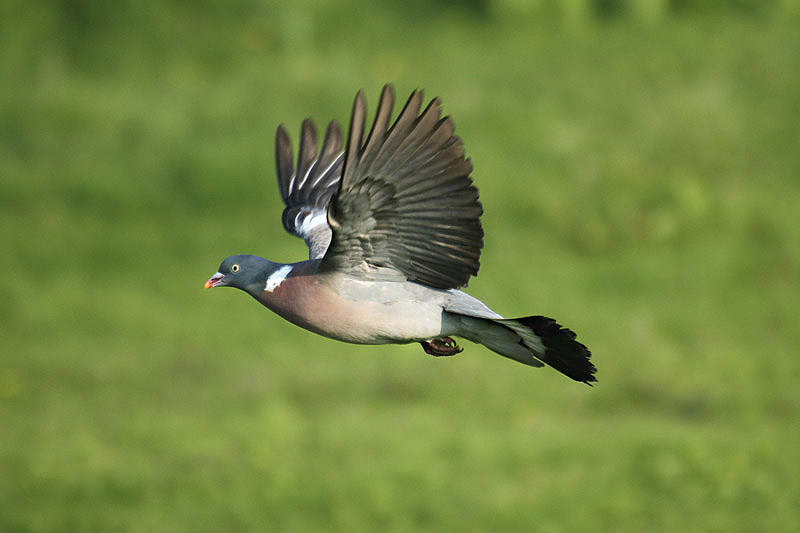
{"points": [[534, 341]]}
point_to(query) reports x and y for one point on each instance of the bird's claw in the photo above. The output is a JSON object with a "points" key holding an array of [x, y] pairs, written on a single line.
{"points": [[441, 346]]}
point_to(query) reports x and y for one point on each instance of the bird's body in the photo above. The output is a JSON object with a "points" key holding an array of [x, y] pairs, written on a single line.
{"points": [[393, 229], [354, 310]]}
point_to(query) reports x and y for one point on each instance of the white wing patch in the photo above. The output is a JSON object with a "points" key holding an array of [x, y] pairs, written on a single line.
{"points": [[318, 218], [276, 278]]}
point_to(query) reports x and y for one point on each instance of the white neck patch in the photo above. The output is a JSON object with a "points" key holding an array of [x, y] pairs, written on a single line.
{"points": [[276, 278]]}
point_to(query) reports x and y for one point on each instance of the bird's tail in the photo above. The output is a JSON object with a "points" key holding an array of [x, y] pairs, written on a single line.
{"points": [[534, 341]]}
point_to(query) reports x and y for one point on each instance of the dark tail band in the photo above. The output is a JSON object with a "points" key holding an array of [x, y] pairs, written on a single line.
{"points": [[562, 351]]}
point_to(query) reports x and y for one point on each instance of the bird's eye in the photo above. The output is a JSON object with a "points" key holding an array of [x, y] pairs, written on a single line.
{"points": [[235, 268]]}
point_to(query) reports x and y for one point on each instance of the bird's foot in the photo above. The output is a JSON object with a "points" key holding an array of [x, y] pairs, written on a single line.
{"points": [[441, 346]]}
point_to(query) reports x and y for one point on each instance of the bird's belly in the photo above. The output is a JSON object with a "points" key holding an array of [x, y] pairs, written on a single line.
{"points": [[321, 309]]}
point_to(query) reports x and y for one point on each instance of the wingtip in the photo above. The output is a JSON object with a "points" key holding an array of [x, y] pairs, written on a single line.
{"points": [[282, 135], [308, 130], [360, 100], [334, 126], [283, 161], [356, 132], [387, 91], [333, 137]]}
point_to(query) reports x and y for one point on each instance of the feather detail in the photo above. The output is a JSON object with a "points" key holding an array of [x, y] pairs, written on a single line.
{"points": [[406, 200]]}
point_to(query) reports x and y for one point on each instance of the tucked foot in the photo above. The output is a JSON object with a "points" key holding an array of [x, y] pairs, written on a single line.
{"points": [[441, 346]]}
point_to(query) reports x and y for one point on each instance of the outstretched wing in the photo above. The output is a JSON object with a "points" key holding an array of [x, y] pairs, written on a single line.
{"points": [[308, 191], [406, 205]]}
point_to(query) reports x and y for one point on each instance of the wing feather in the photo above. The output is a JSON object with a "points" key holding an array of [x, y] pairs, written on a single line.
{"points": [[406, 202], [308, 191]]}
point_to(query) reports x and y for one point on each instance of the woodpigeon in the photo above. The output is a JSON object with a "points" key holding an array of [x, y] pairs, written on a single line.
{"points": [[392, 223]]}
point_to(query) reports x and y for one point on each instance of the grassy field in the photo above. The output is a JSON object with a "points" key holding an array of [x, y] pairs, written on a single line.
{"points": [[640, 174]]}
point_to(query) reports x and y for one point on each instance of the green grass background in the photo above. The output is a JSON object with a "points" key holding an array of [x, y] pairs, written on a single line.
{"points": [[639, 165]]}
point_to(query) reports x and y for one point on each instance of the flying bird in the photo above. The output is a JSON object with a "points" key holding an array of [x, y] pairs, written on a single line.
{"points": [[392, 223]]}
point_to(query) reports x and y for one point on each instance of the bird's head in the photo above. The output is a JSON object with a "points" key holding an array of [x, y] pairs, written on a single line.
{"points": [[246, 272]]}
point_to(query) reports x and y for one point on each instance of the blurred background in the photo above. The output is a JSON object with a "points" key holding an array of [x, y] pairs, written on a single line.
{"points": [[639, 167]]}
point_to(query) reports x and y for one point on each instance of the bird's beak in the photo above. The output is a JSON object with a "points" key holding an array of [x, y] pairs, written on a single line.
{"points": [[215, 280]]}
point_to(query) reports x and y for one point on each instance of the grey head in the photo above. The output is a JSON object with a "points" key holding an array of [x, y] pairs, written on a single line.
{"points": [[245, 272]]}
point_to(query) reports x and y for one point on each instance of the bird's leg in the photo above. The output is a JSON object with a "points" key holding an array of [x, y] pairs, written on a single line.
{"points": [[441, 346]]}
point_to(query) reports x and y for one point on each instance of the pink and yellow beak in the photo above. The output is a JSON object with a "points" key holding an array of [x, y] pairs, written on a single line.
{"points": [[214, 280]]}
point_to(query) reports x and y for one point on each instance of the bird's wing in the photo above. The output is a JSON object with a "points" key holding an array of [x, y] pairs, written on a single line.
{"points": [[308, 190], [406, 206]]}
